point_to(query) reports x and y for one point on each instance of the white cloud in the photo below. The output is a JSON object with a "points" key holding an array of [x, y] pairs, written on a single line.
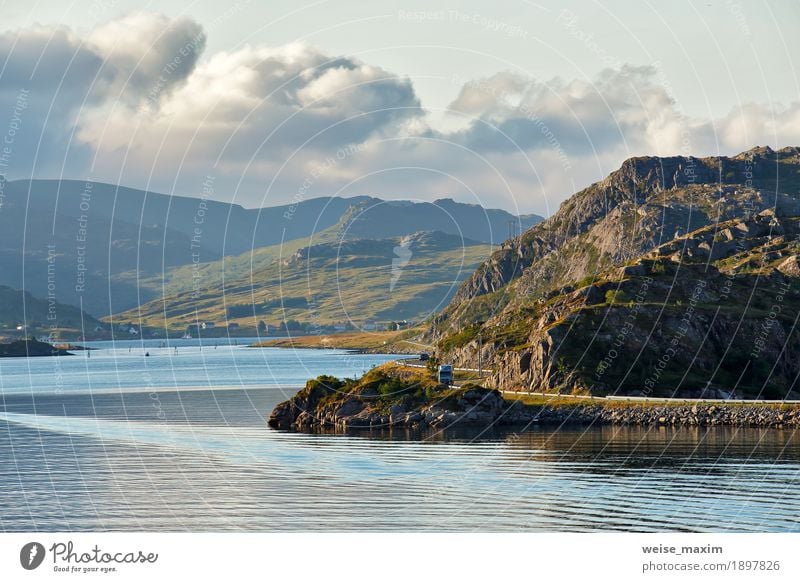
{"points": [[148, 53], [139, 96], [69, 77]]}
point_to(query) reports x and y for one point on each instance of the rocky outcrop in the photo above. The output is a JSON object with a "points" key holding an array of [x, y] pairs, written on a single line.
{"points": [[647, 202], [328, 407], [709, 314], [673, 277], [327, 404]]}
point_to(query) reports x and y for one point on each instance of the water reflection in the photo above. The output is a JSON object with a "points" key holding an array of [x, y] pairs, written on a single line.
{"points": [[203, 459]]}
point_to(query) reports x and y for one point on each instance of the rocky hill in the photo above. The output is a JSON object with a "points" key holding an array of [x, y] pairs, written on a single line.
{"points": [[22, 314], [673, 276]]}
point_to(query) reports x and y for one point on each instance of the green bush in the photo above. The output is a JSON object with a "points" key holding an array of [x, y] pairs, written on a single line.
{"points": [[613, 296], [461, 338], [391, 387], [585, 282]]}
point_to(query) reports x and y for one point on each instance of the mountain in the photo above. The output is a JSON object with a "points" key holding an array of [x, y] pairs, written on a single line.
{"points": [[101, 240], [91, 233], [374, 219], [41, 316], [357, 282], [673, 276]]}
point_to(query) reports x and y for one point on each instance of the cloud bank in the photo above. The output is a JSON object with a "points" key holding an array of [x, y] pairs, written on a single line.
{"points": [[137, 101]]}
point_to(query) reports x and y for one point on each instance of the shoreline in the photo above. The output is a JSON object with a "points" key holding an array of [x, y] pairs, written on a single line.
{"points": [[379, 342], [381, 401], [516, 415]]}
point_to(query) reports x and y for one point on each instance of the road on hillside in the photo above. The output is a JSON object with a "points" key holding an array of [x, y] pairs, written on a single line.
{"points": [[417, 363]]}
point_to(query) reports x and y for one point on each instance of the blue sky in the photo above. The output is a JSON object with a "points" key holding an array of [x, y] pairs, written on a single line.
{"points": [[513, 104]]}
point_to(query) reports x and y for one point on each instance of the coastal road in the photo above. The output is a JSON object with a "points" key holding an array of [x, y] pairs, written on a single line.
{"points": [[415, 363]]}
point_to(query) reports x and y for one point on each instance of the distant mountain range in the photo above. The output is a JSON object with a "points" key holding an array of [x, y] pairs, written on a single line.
{"points": [[674, 276], [111, 248]]}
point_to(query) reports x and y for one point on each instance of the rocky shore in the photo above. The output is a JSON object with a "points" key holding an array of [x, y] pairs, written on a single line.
{"points": [[474, 407], [701, 414], [30, 348], [327, 403]]}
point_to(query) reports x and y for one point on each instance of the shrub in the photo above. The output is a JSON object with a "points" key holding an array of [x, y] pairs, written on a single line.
{"points": [[613, 296], [391, 387], [461, 338]]}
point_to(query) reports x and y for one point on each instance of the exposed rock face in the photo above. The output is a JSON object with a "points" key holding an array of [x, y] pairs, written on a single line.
{"points": [[672, 324], [644, 204], [322, 406], [658, 280]]}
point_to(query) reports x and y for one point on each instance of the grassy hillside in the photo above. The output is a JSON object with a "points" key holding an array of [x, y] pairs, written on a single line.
{"points": [[209, 276], [125, 239], [352, 281]]}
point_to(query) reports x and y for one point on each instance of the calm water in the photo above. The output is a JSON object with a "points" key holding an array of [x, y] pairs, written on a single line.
{"points": [[119, 441]]}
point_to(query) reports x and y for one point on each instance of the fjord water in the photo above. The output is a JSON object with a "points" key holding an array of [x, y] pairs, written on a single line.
{"points": [[178, 441]]}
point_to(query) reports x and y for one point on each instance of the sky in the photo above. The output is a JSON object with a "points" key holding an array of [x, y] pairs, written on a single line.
{"points": [[511, 104]]}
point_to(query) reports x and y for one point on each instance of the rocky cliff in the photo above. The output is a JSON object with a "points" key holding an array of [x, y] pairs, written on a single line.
{"points": [[673, 276]]}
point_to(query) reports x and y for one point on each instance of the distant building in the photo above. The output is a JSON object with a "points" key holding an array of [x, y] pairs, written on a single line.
{"points": [[233, 327], [340, 326], [207, 325], [369, 326]]}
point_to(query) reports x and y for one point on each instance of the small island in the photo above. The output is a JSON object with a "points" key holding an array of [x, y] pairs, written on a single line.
{"points": [[392, 396], [30, 348]]}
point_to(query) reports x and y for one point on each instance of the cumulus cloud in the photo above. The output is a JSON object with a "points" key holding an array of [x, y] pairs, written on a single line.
{"points": [[57, 75], [255, 113], [148, 54], [578, 131], [620, 107], [138, 101], [753, 123], [66, 76]]}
